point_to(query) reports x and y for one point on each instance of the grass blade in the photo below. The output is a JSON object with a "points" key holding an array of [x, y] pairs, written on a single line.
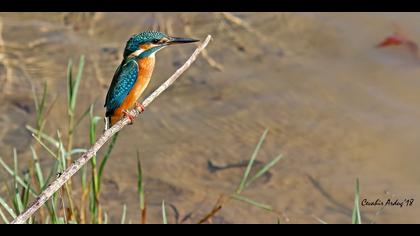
{"points": [[106, 156], [3, 217], [76, 84], [164, 219], [69, 82], [92, 133], [7, 208], [17, 200], [264, 169], [16, 169], [85, 113], [140, 190], [95, 186], [38, 170], [39, 105], [252, 202], [124, 213], [35, 98], [356, 218], [84, 178], [319, 220], [46, 147], [43, 99], [54, 213], [43, 135], [52, 174], [60, 221], [105, 218], [25, 194], [75, 151], [217, 207], [140, 182], [251, 162], [61, 153], [18, 179]]}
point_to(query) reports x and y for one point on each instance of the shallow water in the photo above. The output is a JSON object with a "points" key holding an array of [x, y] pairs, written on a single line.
{"points": [[337, 108]]}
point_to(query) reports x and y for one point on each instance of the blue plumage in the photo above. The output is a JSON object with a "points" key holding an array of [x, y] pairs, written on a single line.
{"points": [[139, 46], [124, 79]]}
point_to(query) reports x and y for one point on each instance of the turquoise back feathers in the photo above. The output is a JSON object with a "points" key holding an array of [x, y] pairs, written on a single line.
{"points": [[124, 79]]}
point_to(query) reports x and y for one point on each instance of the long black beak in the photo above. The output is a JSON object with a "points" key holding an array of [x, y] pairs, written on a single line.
{"points": [[176, 40]]}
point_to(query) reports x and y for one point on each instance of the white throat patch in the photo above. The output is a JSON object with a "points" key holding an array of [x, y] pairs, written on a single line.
{"points": [[137, 52], [140, 51]]}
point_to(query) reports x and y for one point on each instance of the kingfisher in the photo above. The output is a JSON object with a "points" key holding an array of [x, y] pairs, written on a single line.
{"points": [[134, 73]]}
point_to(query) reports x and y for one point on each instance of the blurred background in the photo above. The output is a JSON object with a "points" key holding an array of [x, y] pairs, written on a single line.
{"points": [[336, 106]]}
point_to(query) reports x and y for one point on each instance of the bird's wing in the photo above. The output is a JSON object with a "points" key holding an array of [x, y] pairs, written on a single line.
{"points": [[114, 82], [122, 83]]}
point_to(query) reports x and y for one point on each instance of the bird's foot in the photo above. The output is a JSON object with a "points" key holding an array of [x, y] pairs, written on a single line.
{"points": [[139, 107], [129, 116]]}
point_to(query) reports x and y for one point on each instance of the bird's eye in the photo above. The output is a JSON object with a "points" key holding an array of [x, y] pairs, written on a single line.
{"points": [[155, 41]]}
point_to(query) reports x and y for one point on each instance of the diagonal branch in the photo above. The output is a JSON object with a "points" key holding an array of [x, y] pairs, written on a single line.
{"points": [[81, 161]]}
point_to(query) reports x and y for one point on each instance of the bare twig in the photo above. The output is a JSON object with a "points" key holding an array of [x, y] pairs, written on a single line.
{"points": [[213, 63], [235, 20], [79, 163], [219, 204], [238, 21]]}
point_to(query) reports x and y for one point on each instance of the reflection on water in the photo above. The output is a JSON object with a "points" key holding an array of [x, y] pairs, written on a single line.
{"points": [[337, 108]]}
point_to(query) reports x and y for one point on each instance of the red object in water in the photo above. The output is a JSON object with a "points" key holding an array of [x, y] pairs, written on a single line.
{"points": [[398, 39], [393, 40]]}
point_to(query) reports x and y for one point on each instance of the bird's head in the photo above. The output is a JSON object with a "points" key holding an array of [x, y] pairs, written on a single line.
{"points": [[148, 43]]}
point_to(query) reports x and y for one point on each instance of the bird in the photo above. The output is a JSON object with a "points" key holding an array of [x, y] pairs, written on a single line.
{"points": [[134, 73]]}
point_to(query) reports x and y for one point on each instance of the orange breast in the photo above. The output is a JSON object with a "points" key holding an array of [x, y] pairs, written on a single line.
{"points": [[143, 78]]}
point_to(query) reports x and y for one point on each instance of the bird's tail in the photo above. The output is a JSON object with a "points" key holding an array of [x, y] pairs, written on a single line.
{"points": [[107, 121]]}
